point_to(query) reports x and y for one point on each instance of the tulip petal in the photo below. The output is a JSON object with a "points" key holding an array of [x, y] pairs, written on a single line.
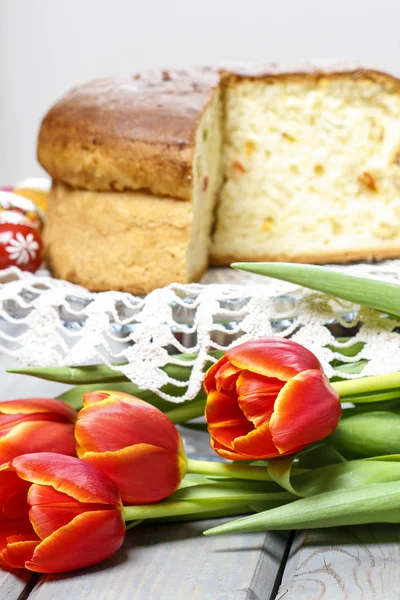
{"points": [[92, 397], [307, 409], [17, 553], [46, 495], [223, 410], [51, 510], [88, 539], [123, 420], [225, 420], [225, 452], [37, 436], [47, 519], [68, 475], [273, 357], [13, 493], [257, 444], [256, 396], [226, 377], [29, 406], [209, 383], [143, 473], [227, 435], [19, 529]]}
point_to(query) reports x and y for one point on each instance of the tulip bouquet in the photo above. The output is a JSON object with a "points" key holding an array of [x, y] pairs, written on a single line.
{"points": [[296, 449]]}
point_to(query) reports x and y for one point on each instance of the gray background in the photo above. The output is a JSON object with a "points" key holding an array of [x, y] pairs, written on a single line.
{"points": [[47, 46]]}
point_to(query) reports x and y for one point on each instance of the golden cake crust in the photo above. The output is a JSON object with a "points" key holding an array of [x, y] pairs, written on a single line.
{"points": [[129, 241], [128, 133], [372, 254]]}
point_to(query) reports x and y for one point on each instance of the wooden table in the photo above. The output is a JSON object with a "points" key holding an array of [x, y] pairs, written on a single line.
{"points": [[175, 562]]}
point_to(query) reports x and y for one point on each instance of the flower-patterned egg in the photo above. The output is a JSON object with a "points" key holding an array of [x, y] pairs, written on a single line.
{"points": [[20, 242]]}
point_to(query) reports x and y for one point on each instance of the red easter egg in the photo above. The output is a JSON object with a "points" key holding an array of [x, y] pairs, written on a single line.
{"points": [[20, 243]]}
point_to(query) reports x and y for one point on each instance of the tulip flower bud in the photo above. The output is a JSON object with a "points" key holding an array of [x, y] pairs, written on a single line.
{"points": [[133, 442], [57, 513], [267, 398], [36, 425]]}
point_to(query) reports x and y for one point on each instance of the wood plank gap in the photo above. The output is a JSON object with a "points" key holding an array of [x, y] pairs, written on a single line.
{"points": [[282, 566], [30, 584]]}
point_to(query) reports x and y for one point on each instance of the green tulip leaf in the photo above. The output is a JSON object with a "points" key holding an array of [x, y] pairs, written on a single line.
{"points": [[193, 479], [286, 471], [183, 410], [280, 470], [374, 503], [367, 434], [337, 475], [381, 295], [351, 351], [319, 454], [354, 368], [74, 375], [92, 374]]}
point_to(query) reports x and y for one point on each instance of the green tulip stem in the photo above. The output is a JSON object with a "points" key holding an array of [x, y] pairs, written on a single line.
{"points": [[219, 469], [174, 509], [367, 385], [193, 507], [191, 410]]}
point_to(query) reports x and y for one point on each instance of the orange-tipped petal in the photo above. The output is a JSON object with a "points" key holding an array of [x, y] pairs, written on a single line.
{"points": [[88, 539], [142, 473], [273, 357], [69, 475], [225, 452], [29, 406], [307, 409], [226, 377], [45, 495], [14, 530], [47, 519], [209, 383], [224, 418], [257, 444], [17, 553], [256, 396], [100, 395], [51, 510], [120, 421], [37, 436], [226, 435], [93, 397]]}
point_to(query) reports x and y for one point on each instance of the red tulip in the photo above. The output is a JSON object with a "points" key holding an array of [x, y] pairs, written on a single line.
{"points": [[268, 398], [36, 425], [133, 442], [58, 513]]}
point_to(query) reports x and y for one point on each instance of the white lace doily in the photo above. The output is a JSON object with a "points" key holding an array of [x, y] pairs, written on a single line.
{"points": [[48, 322]]}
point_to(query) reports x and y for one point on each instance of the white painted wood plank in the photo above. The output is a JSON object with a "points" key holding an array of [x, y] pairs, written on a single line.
{"points": [[13, 583], [345, 563], [176, 562]]}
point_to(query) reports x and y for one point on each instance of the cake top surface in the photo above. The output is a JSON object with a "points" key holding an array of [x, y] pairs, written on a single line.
{"points": [[138, 132], [127, 133], [156, 106]]}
